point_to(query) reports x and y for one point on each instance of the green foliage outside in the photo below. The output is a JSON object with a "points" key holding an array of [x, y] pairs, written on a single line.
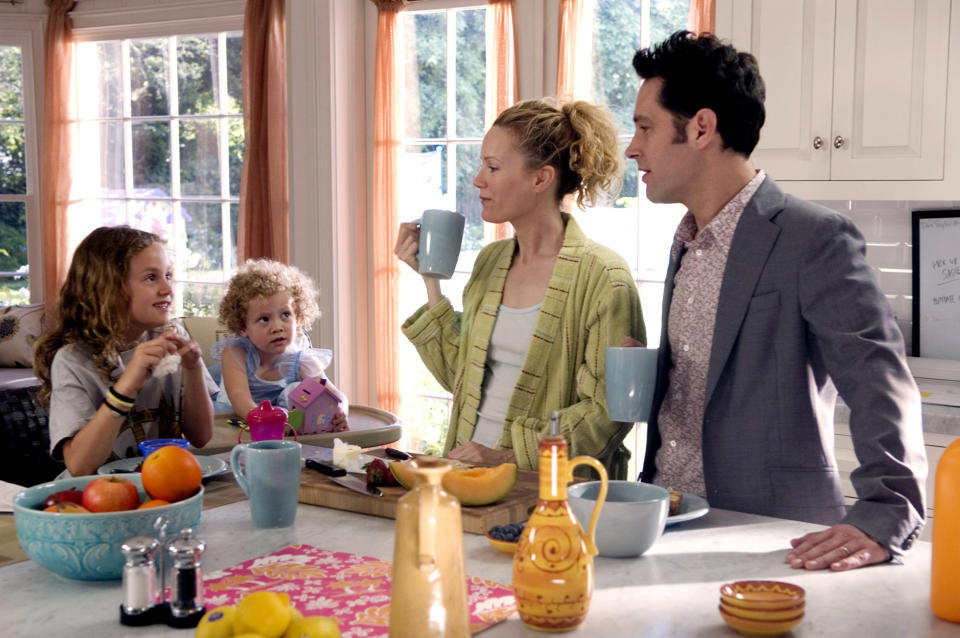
{"points": [[198, 95], [13, 178]]}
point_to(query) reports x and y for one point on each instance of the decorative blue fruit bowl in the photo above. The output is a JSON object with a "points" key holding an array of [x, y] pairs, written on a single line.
{"points": [[87, 546]]}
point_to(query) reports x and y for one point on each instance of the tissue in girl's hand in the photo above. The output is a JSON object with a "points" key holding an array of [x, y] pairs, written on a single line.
{"points": [[168, 365]]}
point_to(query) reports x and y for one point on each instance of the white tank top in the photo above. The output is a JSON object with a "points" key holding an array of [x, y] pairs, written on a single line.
{"points": [[509, 342]]}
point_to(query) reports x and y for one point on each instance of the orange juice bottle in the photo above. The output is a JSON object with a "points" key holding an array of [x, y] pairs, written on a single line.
{"points": [[945, 568]]}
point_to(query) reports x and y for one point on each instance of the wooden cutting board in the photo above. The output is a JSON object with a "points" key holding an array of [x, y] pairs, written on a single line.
{"points": [[317, 489]]}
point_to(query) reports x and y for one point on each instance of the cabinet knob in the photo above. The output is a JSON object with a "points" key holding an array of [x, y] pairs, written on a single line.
{"points": [[838, 141], [817, 143]]}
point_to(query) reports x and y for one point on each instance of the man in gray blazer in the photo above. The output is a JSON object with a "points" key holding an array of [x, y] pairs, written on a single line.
{"points": [[769, 309]]}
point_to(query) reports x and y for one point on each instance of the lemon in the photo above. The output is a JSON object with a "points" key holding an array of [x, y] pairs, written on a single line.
{"points": [[313, 627], [247, 635], [263, 612], [216, 623], [295, 614]]}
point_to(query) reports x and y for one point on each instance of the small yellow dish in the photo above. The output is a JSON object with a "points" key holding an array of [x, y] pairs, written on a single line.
{"points": [[763, 614], [762, 594], [506, 547], [760, 628]]}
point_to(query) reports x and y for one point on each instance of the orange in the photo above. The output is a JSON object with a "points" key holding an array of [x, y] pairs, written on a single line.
{"points": [[154, 502], [171, 473]]}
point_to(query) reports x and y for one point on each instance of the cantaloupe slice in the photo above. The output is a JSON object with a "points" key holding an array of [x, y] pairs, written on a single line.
{"points": [[472, 487]]}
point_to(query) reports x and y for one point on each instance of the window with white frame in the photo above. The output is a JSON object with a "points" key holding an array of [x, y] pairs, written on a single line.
{"points": [[444, 90], [17, 179], [160, 147], [637, 229]]}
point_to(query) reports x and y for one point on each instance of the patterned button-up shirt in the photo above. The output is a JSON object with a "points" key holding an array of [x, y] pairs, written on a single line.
{"points": [[693, 311]]}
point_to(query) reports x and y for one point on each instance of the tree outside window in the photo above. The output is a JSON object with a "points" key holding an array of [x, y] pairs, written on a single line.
{"points": [[160, 132], [14, 269]]}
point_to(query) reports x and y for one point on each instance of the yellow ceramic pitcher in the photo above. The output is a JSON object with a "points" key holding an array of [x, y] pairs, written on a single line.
{"points": [[429, 590], [553, 564]]}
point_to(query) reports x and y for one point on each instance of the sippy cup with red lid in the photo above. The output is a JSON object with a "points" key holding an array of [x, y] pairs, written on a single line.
{"points": [[266, 423]]}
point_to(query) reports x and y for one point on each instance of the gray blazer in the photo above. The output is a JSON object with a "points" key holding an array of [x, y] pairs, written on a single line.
{"points": [[800, 317]]}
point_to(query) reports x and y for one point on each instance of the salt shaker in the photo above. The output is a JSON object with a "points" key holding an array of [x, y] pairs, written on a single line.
{"points": [[186, 579], [139, 583]]}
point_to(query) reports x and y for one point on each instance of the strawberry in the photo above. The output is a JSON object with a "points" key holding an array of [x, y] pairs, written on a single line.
{"points": [[378, 473]]}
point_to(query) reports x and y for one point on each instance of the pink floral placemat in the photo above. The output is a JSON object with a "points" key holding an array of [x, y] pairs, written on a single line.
{"points": [[353, 589]]}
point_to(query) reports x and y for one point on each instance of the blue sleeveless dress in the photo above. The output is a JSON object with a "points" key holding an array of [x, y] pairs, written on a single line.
{"points": [[301, 360]]}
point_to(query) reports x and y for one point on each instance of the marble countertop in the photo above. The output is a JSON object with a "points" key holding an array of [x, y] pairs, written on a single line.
{"points": [[671, 591]]}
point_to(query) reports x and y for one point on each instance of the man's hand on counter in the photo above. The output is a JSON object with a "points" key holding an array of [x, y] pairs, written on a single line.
{"points": [[840, 548]]}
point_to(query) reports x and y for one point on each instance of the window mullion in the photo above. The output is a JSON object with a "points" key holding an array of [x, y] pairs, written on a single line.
{"points": [[223, 128], [127, 126], [451, 181], [176, 221], [645, 23]]}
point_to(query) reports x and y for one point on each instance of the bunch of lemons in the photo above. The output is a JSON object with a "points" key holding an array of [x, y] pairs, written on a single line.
{"points": [[264, 614]]}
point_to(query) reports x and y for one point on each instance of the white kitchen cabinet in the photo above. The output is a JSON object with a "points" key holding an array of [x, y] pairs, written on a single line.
{"points": [[856, 89]]}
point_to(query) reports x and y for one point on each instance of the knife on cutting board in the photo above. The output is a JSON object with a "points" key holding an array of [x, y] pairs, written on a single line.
{"points": [[340, 477]]}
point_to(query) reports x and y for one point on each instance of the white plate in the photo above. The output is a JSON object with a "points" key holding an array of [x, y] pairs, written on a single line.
{"points": [[691, 507], [209, 465]]}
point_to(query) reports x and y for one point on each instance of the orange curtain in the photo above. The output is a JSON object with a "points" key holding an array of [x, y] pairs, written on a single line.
{"points": [[264, 204], [575, 49], [56, 142], [702, 17], [502, 76], [386, 148]]}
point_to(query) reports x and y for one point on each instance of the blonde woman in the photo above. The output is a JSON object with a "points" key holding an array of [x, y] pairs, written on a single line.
{"points": [[540, 308]]}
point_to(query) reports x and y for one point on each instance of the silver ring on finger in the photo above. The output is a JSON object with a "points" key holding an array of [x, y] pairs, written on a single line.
{"points": [[846, 552]]}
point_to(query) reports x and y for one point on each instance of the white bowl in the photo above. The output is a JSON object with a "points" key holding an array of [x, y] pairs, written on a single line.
{"points": [[631, 519]]}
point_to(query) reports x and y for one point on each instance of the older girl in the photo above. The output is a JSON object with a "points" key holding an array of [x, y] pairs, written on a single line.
{"points": [[97, 364]]}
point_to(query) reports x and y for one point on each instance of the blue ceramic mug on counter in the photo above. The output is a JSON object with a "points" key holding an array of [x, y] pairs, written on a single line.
{"points": [[441, 233], [270, 477]]}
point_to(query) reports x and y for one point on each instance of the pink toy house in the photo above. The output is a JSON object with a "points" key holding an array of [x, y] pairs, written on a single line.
{"points": [[317, 404]]}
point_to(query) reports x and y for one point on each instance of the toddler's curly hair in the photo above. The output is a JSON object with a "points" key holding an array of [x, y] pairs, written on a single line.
{"points": [[260, 278]]}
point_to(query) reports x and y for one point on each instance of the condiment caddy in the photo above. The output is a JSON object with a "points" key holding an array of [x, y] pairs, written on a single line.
{"points": [[142, 603]]}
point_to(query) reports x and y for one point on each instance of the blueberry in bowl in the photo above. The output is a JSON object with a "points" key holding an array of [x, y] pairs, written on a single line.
{"points": [[505, 537]]}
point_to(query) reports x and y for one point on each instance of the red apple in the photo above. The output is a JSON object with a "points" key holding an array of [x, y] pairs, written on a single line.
{"points": [[66, 507], [72, 495], [110, 494]]}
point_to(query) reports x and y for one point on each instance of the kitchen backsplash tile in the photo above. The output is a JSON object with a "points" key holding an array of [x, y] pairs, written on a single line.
{"points": [[886, 227]]}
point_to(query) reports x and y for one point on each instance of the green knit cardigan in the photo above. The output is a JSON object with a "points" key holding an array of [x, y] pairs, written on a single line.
{"points": [[591, 303]]}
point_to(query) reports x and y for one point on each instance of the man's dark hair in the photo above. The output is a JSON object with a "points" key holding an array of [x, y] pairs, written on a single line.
{"points": [[702, 72]]}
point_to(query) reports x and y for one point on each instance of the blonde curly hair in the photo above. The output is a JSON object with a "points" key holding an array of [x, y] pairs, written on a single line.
{"points": [[579, 139], [261, 278]]}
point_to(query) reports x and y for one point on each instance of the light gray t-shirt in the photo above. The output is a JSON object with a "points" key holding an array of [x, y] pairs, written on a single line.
{"points": [[78, 389], [509, 342]]}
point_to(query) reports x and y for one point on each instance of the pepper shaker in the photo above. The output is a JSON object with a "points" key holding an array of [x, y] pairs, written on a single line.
{"points": [[139, 586], [186, 579]]}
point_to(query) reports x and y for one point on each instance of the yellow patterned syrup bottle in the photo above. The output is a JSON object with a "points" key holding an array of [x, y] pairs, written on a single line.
{"points": [[553, 564]]}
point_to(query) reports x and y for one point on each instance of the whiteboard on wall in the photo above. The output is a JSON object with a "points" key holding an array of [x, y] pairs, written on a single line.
{"points": [[936, 284]]}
